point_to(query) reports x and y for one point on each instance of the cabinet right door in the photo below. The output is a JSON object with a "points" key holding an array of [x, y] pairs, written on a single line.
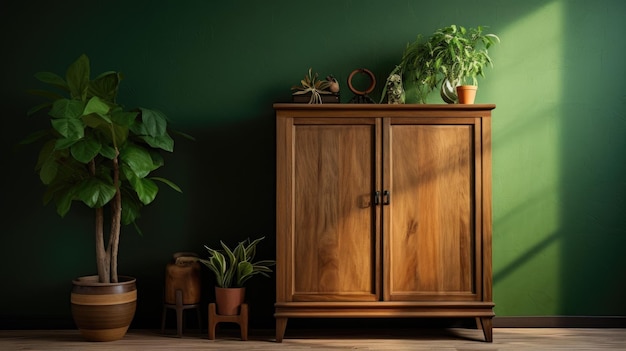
{"points": [[431, 235]]}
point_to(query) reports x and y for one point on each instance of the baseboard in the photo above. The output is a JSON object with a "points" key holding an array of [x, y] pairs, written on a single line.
{"points": [[560, 322]]}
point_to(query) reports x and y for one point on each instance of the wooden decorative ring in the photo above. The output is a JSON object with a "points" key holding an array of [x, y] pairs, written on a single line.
{"points": [[372, 80]]}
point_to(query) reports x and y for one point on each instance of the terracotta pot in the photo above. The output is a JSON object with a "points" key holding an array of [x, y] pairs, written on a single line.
{"points": [[466, 93], [183, 273], [103, 311], [229, 300]]}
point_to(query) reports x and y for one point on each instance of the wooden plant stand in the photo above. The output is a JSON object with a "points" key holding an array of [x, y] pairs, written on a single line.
{"points": [[241, 319]]}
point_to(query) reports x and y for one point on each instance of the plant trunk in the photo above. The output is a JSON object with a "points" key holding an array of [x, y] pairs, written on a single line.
{"points": [[101, 255], [116, 219], [106, 258]]}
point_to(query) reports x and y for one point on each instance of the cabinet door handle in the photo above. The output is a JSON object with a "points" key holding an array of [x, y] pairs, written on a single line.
{"points": [[377, 198], [386, 197]]}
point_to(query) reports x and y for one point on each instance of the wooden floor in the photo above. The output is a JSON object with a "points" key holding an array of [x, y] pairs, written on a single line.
{"points": [[517, 339]]}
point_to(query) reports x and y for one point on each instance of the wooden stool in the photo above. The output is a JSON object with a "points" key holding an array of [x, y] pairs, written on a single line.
{"points": [[179, 307], [241, 319]]}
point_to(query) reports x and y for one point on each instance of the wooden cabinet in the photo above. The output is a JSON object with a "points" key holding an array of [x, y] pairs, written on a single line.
{"points": [[383, 211]]}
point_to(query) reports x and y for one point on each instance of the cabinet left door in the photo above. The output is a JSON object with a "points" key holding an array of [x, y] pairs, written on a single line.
{"points": [[328, 240]]}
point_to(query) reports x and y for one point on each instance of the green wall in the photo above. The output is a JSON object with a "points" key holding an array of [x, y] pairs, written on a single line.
{"points": [[216, 68]]}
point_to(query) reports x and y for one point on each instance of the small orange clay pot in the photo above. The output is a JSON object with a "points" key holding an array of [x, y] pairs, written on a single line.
{"points": [[466, 93]]}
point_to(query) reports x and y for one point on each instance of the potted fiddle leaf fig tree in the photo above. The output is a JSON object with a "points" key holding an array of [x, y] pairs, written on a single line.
{"points": [[232, 269], [102, 155]]}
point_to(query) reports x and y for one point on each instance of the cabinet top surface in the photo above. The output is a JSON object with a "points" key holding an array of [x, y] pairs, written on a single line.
{"points": [[381, 107]]}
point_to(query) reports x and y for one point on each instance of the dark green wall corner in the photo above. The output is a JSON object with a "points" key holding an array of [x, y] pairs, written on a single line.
{"points": [[216, 68]]}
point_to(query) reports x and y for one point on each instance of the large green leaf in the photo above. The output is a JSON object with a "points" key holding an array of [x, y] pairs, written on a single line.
{"points": [[137, 159], [69, 128], [164, 142], [95, 193], [66, 108], [48, 170], [128, 174], [99, 107], [77, 77], [44, 153], [64, 202], [96, 121], [64, 143], [86, 149], [146, 190], [123, 118], [154, 122], [120, 134], [157, 158], [106, 86], [130, 209], [169, 183], [52, 79], [108, 152]]}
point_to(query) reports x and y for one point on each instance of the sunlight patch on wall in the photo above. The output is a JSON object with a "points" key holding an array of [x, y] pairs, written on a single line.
{"points": [[528, 72]]}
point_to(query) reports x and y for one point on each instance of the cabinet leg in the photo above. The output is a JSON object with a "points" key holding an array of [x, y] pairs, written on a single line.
{"points": [[486, 324], [479, 324], [281, 325]]}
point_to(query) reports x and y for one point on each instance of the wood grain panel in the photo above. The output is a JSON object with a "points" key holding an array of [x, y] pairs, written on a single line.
{"points": [[431, 237], [334, 223]]}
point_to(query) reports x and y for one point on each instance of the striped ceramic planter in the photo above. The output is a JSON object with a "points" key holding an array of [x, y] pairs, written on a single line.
{"points": [[103, 311]]}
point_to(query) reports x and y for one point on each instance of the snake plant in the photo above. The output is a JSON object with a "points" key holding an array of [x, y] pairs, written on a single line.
{"points": [[233, 267]]}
